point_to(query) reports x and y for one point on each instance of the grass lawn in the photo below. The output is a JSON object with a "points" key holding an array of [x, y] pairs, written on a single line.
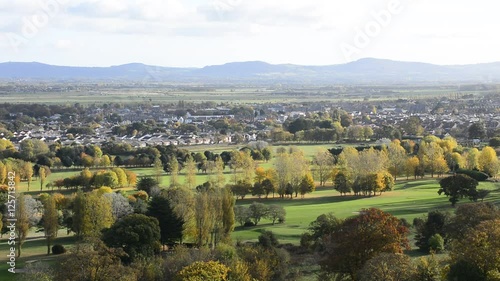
{"points": [[410, 199]]}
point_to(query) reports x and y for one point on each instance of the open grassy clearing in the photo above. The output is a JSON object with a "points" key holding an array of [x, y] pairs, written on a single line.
{"points": [[410, 199]]}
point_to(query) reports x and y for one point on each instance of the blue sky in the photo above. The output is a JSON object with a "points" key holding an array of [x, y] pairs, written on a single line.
{"points": [[206, 32]]}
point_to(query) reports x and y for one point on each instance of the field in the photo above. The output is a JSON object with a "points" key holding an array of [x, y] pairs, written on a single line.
{"points": [[166, 93]]}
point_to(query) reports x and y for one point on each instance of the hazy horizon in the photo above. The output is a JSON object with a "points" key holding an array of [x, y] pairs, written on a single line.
{"points": [[196, 33]]}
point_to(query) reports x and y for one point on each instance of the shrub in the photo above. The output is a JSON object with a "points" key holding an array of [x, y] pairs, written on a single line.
{"points": [[58, 249], [436, 242], [248, 223], [268, 239], [477, 175]]}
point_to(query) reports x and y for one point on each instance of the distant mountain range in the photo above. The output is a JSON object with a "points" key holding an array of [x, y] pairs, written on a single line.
{"points": [[368, 70]]}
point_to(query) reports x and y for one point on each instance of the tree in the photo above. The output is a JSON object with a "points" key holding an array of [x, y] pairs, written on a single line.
{"points": [[93, 261], [479, 249], [241, 214], [131, 177], [120, 206], [257, 212], [86, 176], [436, 222], [22, 223], [468, 216], [121, 175], [220, 179], [138, 235], [276, 213], [50, 221], [323, 161], [190, 179], [147, 184], [42, 174], [158, 168], [266, 152], [241, 189], [307, 185], [411, 167], [28, 172], [358, 239], [203, 271], [387, 266], [457, 187], [397, 158], [170, 224], [341, 184], [477, 131], [91, 213], [488, 161], [412, 126], [174, 172]]}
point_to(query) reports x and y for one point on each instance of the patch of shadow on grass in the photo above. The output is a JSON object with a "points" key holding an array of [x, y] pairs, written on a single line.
{"points": [[297, 201]]}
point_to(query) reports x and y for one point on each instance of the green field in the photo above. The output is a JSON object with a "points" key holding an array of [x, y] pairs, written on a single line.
{"points": [[409, 199]]}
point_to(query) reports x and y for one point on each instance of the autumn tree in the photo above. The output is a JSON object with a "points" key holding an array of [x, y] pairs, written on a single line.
{"points": [[121, 176], [50, 221], [22, 223], [471, 158], [190, 179], [387, 266], [42, 174], [28, 172], [174, 171], [478, 250], [349, 245], [91, 213], [323, 162], [488, 161], [457, 187], [131, 177], [397, 158], [203, 271]]}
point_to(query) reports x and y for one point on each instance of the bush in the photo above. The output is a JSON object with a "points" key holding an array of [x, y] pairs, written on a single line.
{"points": [[248, 223], [268, 239], [436, 243], [479, 176], [58, 249]]}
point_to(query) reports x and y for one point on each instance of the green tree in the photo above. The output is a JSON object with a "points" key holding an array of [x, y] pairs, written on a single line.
{"points": [[147, 184], [50, 221], [257, 212], [276, 213], [477, 131], [170, 224], [158, 168], [342, 184], [457, 187], [138, 235]]}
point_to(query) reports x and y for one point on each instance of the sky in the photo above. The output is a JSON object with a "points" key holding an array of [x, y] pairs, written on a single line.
{"points": [[196, 33]]}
